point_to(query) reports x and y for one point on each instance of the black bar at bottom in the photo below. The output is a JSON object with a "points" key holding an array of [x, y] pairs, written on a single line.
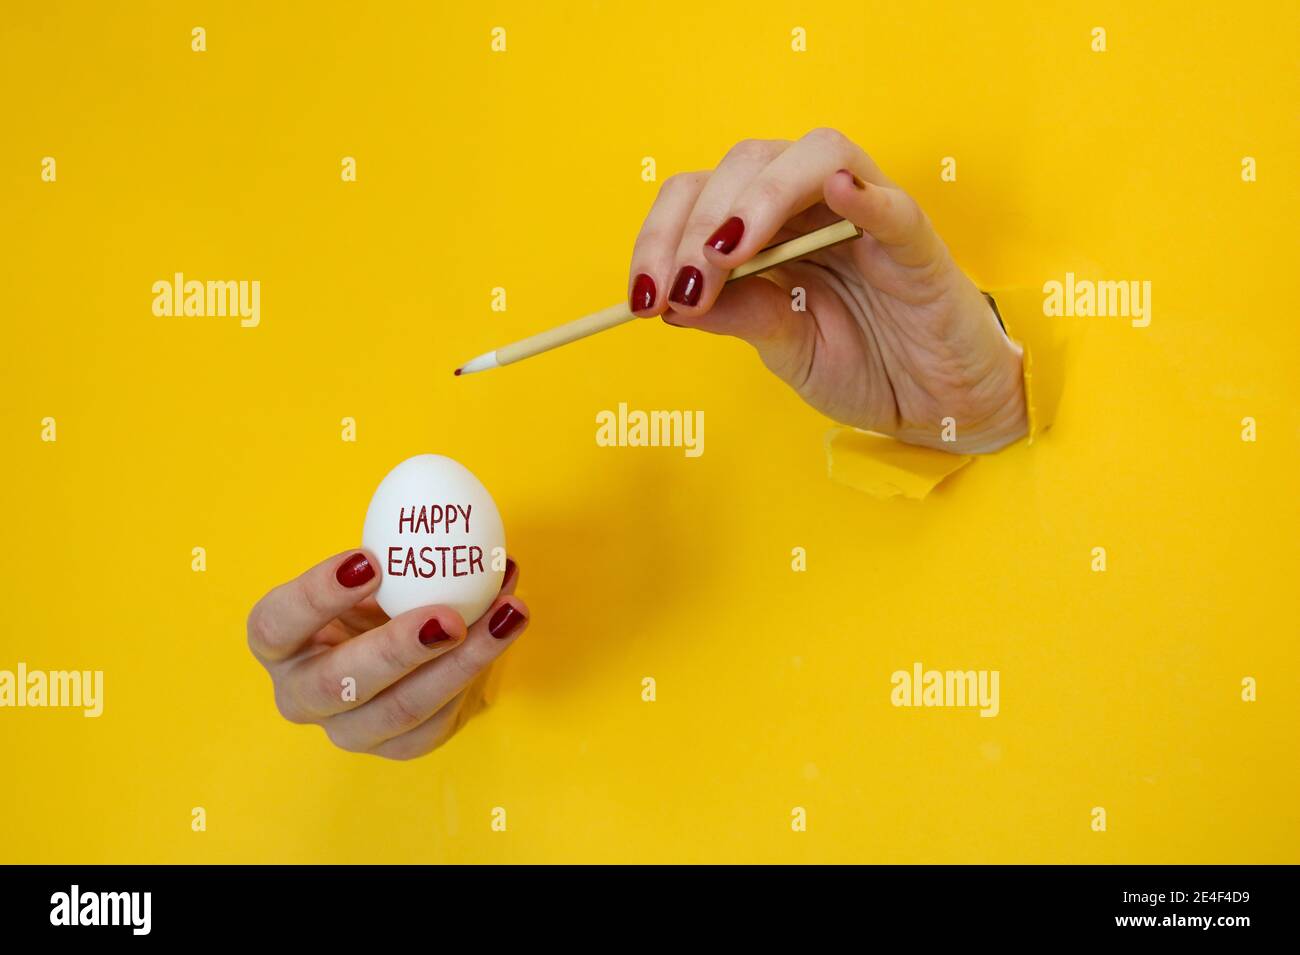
{"points": [[369, 904]]}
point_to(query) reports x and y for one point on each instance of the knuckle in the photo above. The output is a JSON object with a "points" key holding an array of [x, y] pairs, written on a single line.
{"points": [[258, 633], [671, 184], [400, 714], [678, 182], [700, 224], [650, 239], [288, 705], [341, 738], [909, 210], [392, 652], [328, 689], [768, 191], [415, 745], [468, 664], [316, 601], [749, 150], [826, 137]]}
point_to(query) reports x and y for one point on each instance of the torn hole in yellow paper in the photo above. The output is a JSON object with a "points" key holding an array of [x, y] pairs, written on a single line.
{"points": [[884, 467]]}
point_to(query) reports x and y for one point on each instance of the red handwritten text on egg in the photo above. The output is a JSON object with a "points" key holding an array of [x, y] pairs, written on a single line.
{"points": [[445, 560]]}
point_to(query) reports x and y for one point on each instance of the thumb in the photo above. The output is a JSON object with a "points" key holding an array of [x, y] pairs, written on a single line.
{"points": [[886, 213]]}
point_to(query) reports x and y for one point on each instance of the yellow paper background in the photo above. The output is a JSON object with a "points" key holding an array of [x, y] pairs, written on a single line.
{"points": [[522, 170]]}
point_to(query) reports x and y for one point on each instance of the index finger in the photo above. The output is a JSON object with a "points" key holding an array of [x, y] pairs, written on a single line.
{"points": [[282, 621], [791, 183]]}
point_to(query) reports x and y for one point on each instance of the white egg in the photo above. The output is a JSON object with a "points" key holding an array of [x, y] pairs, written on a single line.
{"points": [[438, 537]]}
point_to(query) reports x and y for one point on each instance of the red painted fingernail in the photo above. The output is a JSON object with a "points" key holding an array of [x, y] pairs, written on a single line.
{"points": [[643, 293], [505, 621], [687, 287], [432, 633], [355, 571], [510, 569], [727, 236]]}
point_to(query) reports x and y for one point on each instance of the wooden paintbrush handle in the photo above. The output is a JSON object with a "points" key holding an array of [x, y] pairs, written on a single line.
{"points": [[563, 334], [769, 258]]}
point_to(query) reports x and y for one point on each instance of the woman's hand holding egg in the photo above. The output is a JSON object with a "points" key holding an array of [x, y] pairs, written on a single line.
{"points": [[394, 687]]}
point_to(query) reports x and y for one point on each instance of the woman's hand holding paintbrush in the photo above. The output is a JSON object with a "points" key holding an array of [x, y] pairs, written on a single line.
{"points": [[893, 336]]}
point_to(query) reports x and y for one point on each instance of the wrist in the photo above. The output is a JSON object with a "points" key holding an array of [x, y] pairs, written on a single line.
{"points": [[1008, 418], [992, 411]]}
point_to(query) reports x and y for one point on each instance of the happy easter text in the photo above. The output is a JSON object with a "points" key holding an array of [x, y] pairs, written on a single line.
{"points": [[458, 560]]}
